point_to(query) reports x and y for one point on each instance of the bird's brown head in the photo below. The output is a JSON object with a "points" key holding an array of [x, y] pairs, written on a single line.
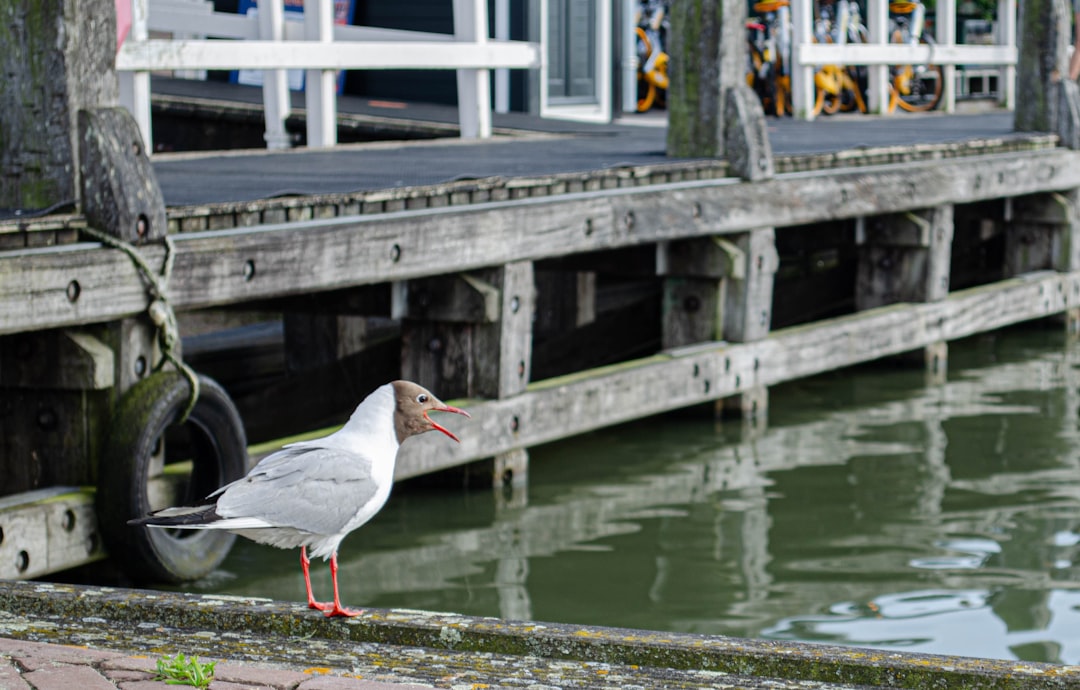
{"points": [[413, 402]]}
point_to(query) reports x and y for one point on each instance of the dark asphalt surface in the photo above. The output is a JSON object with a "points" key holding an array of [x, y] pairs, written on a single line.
{"points": [[568, 147]]}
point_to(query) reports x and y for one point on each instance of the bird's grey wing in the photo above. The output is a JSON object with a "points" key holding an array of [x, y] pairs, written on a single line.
{"points": [[317, 490]]}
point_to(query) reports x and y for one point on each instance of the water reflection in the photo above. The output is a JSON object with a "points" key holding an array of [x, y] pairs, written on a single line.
{"points": [[874, 511]]}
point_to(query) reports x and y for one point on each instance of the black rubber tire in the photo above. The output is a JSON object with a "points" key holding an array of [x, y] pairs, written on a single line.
{"points": [[218, 450]]}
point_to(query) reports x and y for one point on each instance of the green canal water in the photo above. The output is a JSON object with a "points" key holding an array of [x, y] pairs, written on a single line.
{"points": [[875, 510]]}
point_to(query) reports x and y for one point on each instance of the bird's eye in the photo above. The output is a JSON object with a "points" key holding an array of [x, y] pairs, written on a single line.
{"points": [[422, 398]]}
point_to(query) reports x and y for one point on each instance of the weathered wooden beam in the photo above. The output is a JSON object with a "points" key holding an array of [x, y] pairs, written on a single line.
{"points": [[67, 360], [47, 530], [461, 298], [748, 303], [1042, 231], [488, 357], [904, 257], [566, 406], [79, 284]]}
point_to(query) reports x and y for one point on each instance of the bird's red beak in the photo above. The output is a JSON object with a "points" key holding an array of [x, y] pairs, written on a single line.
{"points": [[446, 408]]}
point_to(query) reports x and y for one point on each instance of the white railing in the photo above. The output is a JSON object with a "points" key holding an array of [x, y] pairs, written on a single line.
{"points": [[878, 54], [266, 41]]}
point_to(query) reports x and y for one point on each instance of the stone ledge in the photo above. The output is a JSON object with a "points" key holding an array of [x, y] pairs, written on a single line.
{"points": [[430, 648]]}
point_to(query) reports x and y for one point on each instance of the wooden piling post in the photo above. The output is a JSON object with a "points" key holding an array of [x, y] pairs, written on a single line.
{"points": [[720, 288], [57, 59], [905, 257], [711, 110], [1047, 100], [64, 142], [470, 336], [1042, 232]]}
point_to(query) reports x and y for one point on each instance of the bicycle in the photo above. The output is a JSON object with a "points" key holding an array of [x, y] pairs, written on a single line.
{"points": [[769, 41], [652, 72], [839, 87], [915, 88]]}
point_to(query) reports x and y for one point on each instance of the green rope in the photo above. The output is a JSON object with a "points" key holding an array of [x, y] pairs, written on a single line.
{"points": [[159, 310]]}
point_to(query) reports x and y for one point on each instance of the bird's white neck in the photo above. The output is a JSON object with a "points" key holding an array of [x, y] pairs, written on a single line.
{"points": [[371, 426]]}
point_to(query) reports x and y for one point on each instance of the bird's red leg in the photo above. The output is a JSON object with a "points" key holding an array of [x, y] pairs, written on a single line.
{"points": [[305, 563], [338, 610]]}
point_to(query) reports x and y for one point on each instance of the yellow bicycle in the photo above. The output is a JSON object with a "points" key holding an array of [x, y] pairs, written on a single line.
{"points": [[652, 70]]}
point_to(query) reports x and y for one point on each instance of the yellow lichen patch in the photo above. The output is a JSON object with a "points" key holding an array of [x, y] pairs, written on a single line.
{"points": [[317, 670]]}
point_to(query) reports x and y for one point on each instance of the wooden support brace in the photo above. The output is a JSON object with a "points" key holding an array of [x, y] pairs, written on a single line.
{"points": [[1043, 232], [472, 339], [471, 336], [905, 257], [461, 298], [57, 390], [748, 298]]}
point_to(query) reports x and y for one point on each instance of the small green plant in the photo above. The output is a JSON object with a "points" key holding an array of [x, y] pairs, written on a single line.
{"points": [[181, 670]]}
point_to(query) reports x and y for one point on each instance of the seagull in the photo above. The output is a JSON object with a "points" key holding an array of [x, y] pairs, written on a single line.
{"points": [[314, 493]]}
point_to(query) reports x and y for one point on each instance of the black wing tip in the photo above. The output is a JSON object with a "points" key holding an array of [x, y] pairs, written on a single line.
{"points": [[195, 517]]}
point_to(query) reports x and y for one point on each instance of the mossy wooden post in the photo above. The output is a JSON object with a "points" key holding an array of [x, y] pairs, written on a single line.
{"points": [[711, 110], [905, 257], [1047, 100], [470, 336], [64, 143], [1042, 232]]}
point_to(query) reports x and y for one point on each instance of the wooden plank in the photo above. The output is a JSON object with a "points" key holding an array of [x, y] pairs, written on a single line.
{"points": [[578, 403], [904, 257], [228, 55], [67, 360], [748, 302], [902, 53], [46, 531], [243, 264]]}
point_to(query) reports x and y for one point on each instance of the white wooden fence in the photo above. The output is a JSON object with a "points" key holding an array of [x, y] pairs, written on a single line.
{"points": [[268, 42], [878, 53]]}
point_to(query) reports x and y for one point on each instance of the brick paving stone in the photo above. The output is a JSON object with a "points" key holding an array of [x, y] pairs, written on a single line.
{"points": [[121, 676], [68, 677], [278, 679], [10, 678], [130, 663], [70, 654]]}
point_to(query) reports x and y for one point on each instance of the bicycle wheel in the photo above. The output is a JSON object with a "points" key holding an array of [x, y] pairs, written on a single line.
{"points": [[916, 88]]}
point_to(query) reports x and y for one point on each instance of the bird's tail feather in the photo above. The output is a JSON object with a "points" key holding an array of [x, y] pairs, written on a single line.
{"points": [[179, 517]]}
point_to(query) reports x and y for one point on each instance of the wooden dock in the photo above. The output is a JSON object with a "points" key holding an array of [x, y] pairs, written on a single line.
{"points": [[471, 274]]}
